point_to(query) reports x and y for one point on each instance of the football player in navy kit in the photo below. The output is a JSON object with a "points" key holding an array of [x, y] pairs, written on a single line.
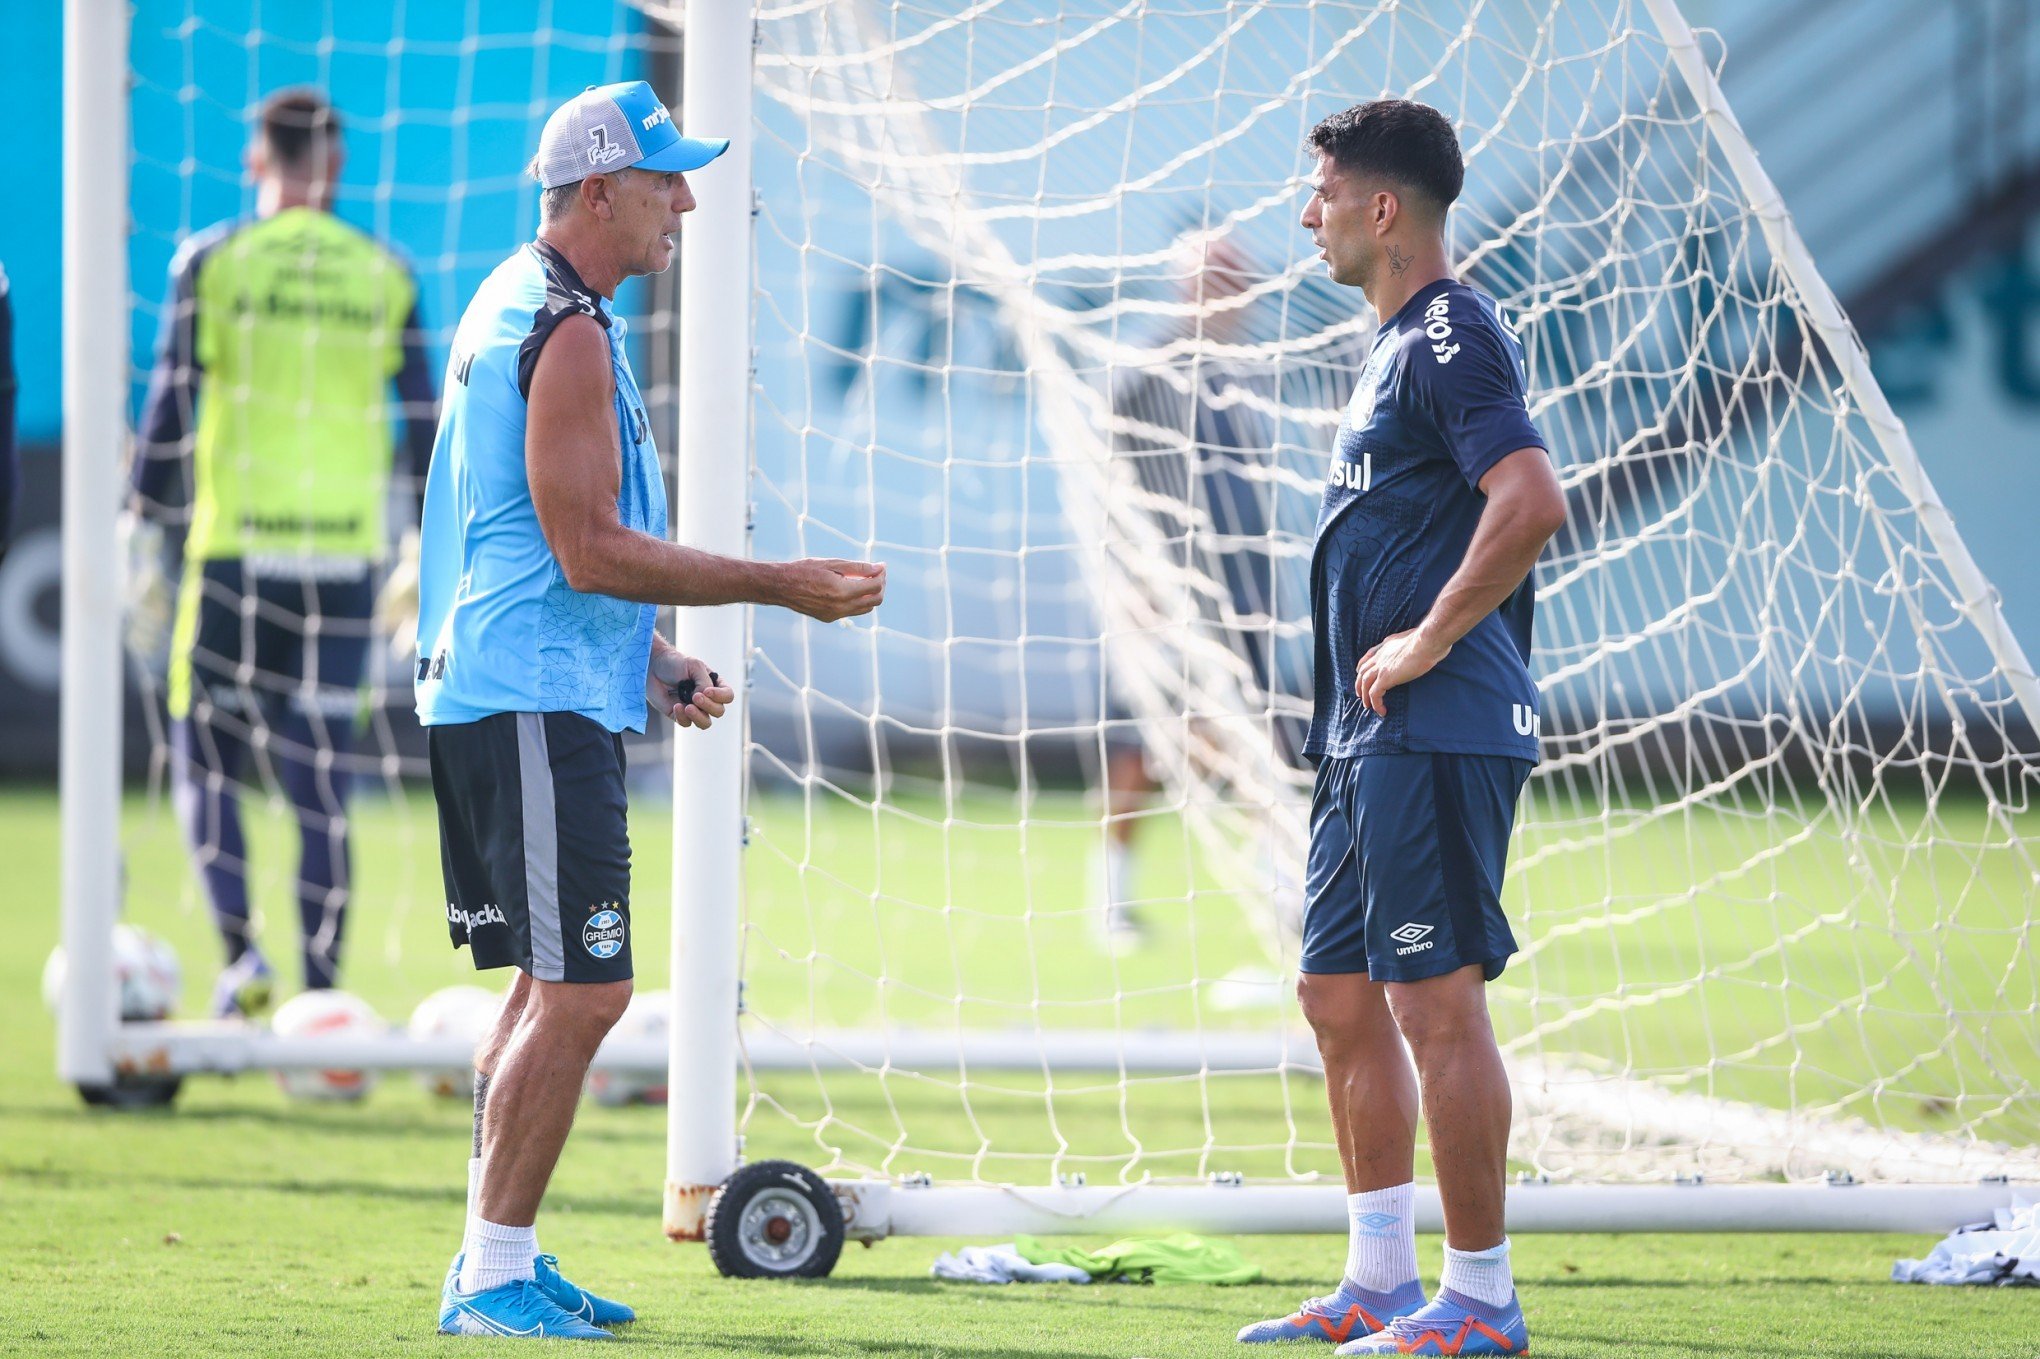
{"points": [[1440, 496]]}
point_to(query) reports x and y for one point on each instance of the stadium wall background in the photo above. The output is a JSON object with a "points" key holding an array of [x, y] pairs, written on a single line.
{"points": [[1926, 226]]}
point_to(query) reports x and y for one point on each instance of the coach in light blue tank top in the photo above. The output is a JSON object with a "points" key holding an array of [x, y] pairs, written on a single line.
{"points": [[499, 628], [542, 562]]}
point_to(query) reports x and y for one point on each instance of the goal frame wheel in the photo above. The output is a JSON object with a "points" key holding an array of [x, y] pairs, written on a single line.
{"points": [[774, 1220]]}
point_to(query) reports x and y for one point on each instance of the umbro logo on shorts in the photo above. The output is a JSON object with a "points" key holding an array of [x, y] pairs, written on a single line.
{"points": [[602, 936], [474, 920], [1411, 937]]}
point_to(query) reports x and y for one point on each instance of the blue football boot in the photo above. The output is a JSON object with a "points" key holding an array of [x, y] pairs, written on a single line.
{"points": [[518, 1308], [1337, 1317], [1450, 1323], [577, 1301]]}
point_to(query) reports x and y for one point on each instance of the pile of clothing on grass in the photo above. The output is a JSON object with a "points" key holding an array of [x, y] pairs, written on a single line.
{"points": [[1181, 1258], [2004, 1251]]}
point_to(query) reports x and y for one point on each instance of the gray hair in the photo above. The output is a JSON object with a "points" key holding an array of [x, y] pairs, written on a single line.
{"points": [[555, 203]]}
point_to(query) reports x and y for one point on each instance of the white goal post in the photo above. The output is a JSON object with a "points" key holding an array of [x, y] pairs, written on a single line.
{"points": [[1775, 874], [95, 393]]}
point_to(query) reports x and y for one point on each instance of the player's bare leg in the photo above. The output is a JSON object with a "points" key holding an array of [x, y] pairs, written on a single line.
{"points": [[528, 1075], [1466, 1111], [1368, 1078], [1465, 1095], [543, 1037], [488, 1055], [489, 1052], [1127, 788], [1373, 1096], [535, 1089]]}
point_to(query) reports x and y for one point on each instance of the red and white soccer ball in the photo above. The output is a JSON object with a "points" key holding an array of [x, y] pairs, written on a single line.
{"points": [[144, 968], [322, 1014], [463, 1012], [643, 1026]]}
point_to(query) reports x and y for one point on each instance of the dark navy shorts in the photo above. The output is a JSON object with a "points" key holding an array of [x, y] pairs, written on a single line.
{"points": [[1404, 878], [534, 844]]}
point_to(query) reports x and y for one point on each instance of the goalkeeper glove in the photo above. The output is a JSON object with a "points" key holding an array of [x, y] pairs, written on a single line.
{"points": [[396, 607]]}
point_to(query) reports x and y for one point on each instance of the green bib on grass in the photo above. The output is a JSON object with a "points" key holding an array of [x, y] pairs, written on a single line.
{"points": [[1179, 1258]]}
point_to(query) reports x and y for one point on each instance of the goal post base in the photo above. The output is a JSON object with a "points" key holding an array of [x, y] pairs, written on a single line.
{"points": [[874, 1210], [684, 1215]]}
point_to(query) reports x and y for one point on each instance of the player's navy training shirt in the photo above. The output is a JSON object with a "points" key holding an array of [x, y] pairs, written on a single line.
{"points": [[1438, 404]]}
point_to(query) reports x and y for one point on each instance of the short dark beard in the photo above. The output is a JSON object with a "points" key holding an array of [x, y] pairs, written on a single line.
{"points": [[1398, 262]]}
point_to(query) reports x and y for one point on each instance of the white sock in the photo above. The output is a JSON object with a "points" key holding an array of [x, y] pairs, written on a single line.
{"points": [[1381, 1240], [496, 1255], [474, 1185], [1482, 1275], [1118, 874]]}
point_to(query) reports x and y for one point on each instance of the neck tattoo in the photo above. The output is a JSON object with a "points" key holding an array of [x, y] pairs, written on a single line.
{"points": [[1398, 262]]}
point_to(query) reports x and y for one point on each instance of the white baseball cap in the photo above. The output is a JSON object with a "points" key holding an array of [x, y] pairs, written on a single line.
{"points": [[617, 127]]}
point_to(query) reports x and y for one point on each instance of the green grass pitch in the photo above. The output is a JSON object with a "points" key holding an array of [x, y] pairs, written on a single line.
{"points": [[238, 1222]]}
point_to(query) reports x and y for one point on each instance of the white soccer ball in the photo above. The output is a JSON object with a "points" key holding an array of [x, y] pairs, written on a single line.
{"points": [[144, 968], [326, 1014], [463, 1012], [644, 1018]]}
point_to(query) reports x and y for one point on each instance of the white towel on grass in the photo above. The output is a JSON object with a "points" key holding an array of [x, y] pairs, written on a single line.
{"points": [[1001, 1265], [2005, 1250]]}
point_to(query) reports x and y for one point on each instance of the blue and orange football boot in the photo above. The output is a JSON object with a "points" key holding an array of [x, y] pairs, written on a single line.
{"points": [[1337, 1317], [1450, 1323]]}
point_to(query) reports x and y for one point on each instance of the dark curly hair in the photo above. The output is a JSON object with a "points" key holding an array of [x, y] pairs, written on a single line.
{"points": [[1410, 145]]}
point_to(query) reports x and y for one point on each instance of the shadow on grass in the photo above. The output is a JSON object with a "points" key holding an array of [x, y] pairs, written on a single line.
{"points": [[451, 1193], [1589, 1281], [342, 1120], [1774, 1343], [957, 1341]]}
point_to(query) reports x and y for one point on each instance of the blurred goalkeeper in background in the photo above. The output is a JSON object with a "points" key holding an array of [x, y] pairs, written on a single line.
{"points": [[1438, 499], [1198, 431], [268, 417]]}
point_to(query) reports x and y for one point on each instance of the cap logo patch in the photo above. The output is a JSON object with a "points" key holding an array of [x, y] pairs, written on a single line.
{"points": [[601, 153]]}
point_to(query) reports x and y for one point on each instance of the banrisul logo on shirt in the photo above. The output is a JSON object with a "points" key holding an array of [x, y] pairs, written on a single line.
{"points": [[602, 936], [1353, 476]]}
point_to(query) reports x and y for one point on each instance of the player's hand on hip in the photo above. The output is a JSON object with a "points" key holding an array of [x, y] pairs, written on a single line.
{"points": [[1394, 660], [828, 589], [695, 704]]}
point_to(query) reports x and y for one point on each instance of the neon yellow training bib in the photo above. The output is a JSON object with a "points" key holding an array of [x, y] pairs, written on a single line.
{"points": [[299, 329]]}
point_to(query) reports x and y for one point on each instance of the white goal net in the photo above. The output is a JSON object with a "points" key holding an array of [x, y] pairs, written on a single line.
{"points": [[1033, 322], [1036, 325]]}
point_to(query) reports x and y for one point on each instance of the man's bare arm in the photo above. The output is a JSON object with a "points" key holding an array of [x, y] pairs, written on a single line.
{"points": [[576, 469], [1525, 506]]}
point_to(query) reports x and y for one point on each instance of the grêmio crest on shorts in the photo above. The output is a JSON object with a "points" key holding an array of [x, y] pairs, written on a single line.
{"points": [[1439, 402]]}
